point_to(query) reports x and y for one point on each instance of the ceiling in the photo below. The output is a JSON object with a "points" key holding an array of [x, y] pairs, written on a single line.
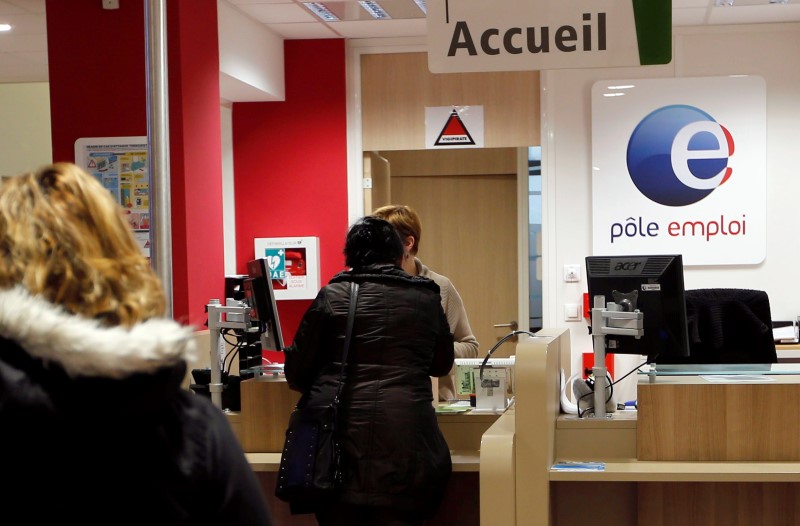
{"points": [[23, 51]]}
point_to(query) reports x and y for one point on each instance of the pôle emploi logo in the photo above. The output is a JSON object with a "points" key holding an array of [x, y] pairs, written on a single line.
{"points": [[677, 155]]}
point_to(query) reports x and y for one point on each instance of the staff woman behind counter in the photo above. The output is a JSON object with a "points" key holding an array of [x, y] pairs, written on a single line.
{"points": [[408, 225]]}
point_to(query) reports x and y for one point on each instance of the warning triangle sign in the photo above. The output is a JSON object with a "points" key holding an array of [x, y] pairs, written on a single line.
{"points": [[454, 132], [92, 164]]}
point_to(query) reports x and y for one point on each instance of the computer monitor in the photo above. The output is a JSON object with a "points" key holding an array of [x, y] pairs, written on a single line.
{"points": [[652, 284], [260, 296], [234, 286]]}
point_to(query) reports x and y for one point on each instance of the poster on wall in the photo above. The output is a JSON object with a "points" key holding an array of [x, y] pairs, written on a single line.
{"points": [[293, 264], [453, 127], [120, 164], [679, 167]]}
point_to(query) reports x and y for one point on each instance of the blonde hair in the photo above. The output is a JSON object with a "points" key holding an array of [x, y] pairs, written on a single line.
{"points": [[62, 236], [405, 220]]}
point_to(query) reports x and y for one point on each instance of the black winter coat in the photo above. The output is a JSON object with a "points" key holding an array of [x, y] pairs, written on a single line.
{"points": [[393, 452], [96, 429]]}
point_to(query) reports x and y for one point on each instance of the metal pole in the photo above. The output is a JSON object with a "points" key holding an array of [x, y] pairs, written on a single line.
{"points": [[599, 370], [158, 144], [215, 386]]}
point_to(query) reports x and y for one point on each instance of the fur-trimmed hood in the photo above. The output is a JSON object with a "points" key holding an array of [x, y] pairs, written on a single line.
{"points": [[84, 347]]}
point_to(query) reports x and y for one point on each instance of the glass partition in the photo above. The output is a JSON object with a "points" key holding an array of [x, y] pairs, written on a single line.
{"points": [[720, 369]]}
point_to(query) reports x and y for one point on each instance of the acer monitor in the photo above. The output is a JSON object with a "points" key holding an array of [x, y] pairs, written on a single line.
{"points": [[260, 296], [653, 285]]}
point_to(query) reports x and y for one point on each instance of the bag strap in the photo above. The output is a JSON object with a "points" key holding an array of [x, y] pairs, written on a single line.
{"points": [[351, 315]]}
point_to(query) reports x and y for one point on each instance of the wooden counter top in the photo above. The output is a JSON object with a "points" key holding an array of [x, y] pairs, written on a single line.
{"points": [[634, 470], [463, 461]]}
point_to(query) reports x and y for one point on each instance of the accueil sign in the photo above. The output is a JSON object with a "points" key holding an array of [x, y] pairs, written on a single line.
{"points": [[518, 35]]}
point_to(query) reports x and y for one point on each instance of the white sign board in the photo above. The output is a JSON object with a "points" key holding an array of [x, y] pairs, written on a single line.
{"points": [[293, 264], [679, 167], [516, 35]]}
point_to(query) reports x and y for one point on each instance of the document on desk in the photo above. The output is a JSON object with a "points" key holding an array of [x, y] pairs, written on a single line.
{"points": [[454, 408], [736, 378], [579, 466], [786, 334]]}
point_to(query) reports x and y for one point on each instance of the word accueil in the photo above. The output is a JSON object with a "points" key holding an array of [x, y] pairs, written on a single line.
{"points": [[535, 39], [638, 227]]}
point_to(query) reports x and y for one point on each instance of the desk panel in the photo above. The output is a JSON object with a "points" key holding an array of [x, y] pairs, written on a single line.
{"points": [[690, 418], [266, 406], [742, 504]]}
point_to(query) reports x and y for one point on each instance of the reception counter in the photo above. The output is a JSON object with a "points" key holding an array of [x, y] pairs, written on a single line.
{"points": [[702, 449], [260, 425]]}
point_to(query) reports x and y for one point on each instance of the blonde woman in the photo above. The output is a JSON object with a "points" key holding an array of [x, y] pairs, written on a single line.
{"points": [[95, 425], [408, 225]]}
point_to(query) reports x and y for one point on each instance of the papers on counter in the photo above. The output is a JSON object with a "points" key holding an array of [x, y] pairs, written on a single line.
{"points": [[579, 466]]}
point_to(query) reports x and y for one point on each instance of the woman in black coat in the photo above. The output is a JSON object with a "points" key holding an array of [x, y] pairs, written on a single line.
{"points": [[94, 425], [396, 462]]}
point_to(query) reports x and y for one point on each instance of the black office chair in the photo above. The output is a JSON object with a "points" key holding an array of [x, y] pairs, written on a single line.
{"points": [[729, 326]]}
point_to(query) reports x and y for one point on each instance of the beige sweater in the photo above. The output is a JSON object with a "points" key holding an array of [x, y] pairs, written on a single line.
{"points": [[466, 346]]}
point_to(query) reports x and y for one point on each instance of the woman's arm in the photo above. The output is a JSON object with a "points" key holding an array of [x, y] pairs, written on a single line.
{"points": [[466, 343], [304, 358], [444, 351]]}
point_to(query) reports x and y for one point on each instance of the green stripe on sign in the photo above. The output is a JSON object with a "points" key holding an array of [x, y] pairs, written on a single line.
{"points": [[653, 20]]}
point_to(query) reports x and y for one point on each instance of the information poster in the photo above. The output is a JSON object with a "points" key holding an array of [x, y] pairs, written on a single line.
{"points": [[293, 264], [120, 164]]}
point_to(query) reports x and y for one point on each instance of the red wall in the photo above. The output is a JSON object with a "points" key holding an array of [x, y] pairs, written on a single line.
{"points": [[97, 68], [290, 158], [97, 72], [198, 260], [290, 163]]}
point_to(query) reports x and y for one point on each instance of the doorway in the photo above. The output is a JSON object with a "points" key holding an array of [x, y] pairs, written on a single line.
{"points": [[467, 203]]}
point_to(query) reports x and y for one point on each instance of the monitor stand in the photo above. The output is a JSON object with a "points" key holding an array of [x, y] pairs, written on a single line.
{"points": [[234, 315], [609, 319]]}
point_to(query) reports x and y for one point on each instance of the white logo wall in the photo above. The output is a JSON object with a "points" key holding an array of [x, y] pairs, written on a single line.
{"points": [[679, 167]]}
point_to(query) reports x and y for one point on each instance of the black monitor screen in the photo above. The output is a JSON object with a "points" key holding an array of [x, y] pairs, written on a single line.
{"points": [[654, 286], [260, 296], [234, 286]]}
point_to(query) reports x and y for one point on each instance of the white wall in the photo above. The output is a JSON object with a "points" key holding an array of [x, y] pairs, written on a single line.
{"points": [[250, 58], [768, 50], [228, 204], [25, 140]]}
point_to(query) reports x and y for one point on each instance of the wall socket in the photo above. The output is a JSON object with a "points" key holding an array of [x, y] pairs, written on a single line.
{"points": [[572, 273]]}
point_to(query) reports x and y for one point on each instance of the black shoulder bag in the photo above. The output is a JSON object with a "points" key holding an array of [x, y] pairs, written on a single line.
{"points": [[310, 472]]}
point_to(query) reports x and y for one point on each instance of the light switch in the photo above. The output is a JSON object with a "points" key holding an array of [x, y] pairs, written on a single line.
{"points": [[572, 312]]}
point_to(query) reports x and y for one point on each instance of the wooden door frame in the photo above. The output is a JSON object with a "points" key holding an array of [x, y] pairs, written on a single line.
{"points": [[355, 162]]}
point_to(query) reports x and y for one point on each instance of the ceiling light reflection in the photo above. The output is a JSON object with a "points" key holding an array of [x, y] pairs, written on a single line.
{"points": [[321, 11], [375, 10]]}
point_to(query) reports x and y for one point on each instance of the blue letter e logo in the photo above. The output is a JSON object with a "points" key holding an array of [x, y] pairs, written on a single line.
{"points": [[678, 154]]}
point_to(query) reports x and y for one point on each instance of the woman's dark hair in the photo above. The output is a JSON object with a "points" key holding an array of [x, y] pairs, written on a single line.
{"points": [[372, 240]]}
